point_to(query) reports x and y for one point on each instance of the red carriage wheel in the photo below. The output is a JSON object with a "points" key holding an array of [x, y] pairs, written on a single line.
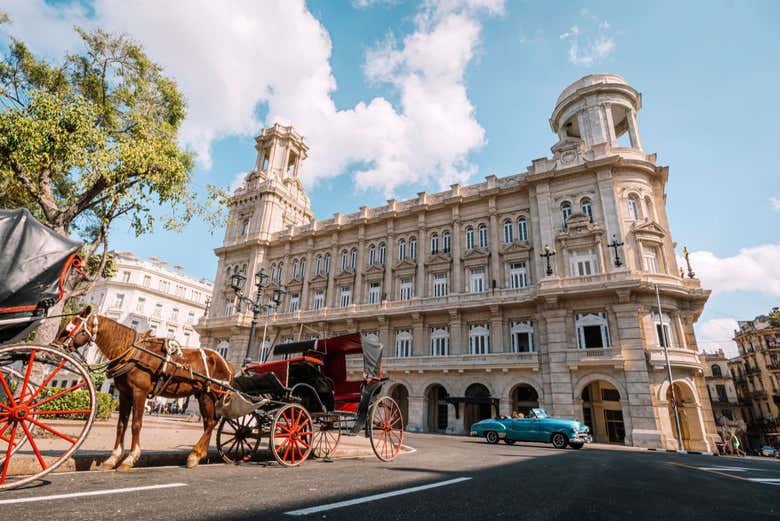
{"points": [[387, 429], [327, 433], [238, 438], [291, 435], [52, 421]]}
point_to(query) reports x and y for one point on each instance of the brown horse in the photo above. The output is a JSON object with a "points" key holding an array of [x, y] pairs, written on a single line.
{"points": [[137, 374]]}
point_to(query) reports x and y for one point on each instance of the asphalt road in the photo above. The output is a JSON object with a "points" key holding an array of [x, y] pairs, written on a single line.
{"points": [[452, 478]]}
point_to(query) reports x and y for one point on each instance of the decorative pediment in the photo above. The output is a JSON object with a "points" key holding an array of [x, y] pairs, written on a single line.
{"points": [[405, 265], [346, 274], [375, 269], [476, 253], [439, 259], [294, 283], [318, 280], [516, 247], [579, 229], [648, 230]]}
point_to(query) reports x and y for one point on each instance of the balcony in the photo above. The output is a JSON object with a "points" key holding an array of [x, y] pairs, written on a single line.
{"points": [[455, 363], [758, 395], [677, 358], [773, 366], [753, 370], [594, 357]]}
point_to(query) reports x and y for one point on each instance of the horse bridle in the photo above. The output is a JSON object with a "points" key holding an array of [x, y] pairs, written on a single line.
{"points": [[73, 329]]}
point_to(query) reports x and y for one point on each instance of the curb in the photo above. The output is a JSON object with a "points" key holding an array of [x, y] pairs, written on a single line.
{"points": [[675, 451]]}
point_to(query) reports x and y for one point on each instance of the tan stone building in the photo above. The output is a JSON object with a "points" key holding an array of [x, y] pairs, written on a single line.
{"points": [[455, 286], [756, 372], [720, 387]]}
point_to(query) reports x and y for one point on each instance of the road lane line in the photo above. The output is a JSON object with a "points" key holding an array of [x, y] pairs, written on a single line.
{"points": [[766, 481], [719, 473], [93, 493], [374, 497]]}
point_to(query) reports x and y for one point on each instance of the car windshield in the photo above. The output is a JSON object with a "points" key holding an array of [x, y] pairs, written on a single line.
{"points": [[539, 413]]}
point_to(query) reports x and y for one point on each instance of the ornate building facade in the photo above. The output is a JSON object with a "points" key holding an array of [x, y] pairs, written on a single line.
{"points": [[456, 287]]}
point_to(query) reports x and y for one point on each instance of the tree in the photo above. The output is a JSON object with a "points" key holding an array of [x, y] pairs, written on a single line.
{"points": [[91, 140]]}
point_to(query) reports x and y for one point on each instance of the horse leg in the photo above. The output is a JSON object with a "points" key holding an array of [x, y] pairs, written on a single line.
{"points": [[139, 399], [206, 401], [125, 405]]}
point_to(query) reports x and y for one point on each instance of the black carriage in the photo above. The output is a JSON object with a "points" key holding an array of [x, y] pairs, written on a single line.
{"points": [[47, 398], [302, 403]]}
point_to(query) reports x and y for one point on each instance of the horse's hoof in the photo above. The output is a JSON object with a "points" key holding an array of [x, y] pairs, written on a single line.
{"points": [[124, 468], [192, 462], [107, 465]]}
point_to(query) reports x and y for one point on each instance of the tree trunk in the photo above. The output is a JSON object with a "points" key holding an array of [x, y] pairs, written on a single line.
{"points": [[47, 331]]}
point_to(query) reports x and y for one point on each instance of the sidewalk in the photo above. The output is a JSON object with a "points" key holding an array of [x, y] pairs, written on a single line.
{"points": [[165, 440]]}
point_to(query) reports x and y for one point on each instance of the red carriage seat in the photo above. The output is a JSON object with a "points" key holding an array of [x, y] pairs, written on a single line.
{"points": [[281, 368], [346, 393]]}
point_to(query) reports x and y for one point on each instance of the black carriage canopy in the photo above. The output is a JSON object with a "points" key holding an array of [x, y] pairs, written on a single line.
{"points": [[33, 265], [352, 343]]}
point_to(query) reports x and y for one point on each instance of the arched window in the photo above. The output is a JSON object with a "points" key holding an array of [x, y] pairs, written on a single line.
{"points": [[522, 229], [633, 207], [371, 255], [273, 271], [318, 265], [446, 240], [565, 213], [343, 259], [403, 342], [479, 339], [469, 237], [413, 248], [327, 263], [303, 267], [508, 231], [522, 336], [483, 238], [353, 259], [587, 208], [279, 272], [243, 268], [382, 253], [716, 371], [295, 268], [401, 249], [440, 341], [434, 243]]}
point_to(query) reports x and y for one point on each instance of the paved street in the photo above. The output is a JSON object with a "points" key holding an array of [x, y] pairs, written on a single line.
{"points": [[459, 478]]}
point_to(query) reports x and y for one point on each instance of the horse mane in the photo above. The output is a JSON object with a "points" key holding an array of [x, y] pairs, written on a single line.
{"points": [[113, 338]]}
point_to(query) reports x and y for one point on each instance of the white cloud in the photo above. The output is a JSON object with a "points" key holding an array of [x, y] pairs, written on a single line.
{"points": [[275, 55], [717, 334], [775, 202], [591, 43], [363, 4], [752, 269]]}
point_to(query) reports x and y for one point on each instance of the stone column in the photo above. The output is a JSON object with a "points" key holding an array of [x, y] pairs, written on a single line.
{"points": [[357, 297], [456, 333], [422, 243], [418, 332], [607, 108], [558, 391], [387, 286], [496, 330], [633, 130], [457, 269], [331, 291], [544, 228], [495, 268], [415, 420]]}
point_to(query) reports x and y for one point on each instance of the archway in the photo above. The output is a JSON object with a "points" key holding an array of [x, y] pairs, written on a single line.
{"points": [[524, 398], [437, 408], [688, 409], [602, 412], [400, 394], [473, 412]]}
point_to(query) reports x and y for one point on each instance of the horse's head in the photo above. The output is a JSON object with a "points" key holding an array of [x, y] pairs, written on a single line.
{"points": [[80, 330]]}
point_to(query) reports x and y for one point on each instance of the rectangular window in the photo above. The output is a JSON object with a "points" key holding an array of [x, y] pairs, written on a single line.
{"points": [[441, 284], [406, 289], [175, 314], [374, 293], [518, 275], [186, 339], [134, 324], [522, 336], [582, 263], [664, 333], [126, 276], [440, 341], [147, 281], [171, 332], [139, 307], [292, 305], [479, 339], [191, 317], [403, 343], [477, 280], [119, 299], [157, 313], [228, 309], [650, 259], [319, 299], [592, 330], [345, 297]]}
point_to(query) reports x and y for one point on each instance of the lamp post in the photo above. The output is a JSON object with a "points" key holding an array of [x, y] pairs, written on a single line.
{"points": [[261, 282], [548, 252], [686, 253], [616, 244]]}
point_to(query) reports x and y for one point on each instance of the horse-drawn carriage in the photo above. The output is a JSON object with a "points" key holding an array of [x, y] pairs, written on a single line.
{"points": [[48, 401], [303, 402]]}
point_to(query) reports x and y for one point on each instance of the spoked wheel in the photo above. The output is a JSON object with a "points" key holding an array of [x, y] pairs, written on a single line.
{"points": [[327, 433], [387, 429], [291, 435], [54, 421], [237, 439]]}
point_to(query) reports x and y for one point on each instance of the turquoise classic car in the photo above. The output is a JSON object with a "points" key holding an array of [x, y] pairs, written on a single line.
{"points": [[537, 426]]}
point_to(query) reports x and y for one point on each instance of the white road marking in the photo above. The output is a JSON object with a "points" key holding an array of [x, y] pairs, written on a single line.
{"points": [[766, 481], [733, 469], [92, 493], [375, 497]]}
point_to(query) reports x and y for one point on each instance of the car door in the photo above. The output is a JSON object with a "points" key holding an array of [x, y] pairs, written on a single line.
{"points": [[521, 429]]}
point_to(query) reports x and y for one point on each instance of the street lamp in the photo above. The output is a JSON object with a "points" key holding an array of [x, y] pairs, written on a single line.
{"points": [[548, 252], [261, 282]]}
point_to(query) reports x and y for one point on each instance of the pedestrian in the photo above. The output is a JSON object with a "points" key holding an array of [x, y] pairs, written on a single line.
{"points": [[735, 445]]}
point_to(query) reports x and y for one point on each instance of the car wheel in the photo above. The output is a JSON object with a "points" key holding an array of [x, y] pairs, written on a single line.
{"points": [[559, 441], [509, 442], [575, 445], [491, 437]]}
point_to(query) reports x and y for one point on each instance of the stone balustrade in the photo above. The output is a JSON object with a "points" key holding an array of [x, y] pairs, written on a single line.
{"points": [[455, 363], [677, 357]]}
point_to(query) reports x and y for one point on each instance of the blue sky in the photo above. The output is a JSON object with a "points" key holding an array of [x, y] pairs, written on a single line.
{"points": [[708, 72]]}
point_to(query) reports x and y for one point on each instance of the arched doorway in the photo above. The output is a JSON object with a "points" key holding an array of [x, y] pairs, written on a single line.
{"points": [[436, 408], [524, 398], [473, 412], [400, 394], [602, 413], [688, 410]]}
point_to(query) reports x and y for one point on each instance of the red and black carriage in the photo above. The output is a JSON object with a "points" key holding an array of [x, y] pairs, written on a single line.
{"points": [[304, 402]]}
